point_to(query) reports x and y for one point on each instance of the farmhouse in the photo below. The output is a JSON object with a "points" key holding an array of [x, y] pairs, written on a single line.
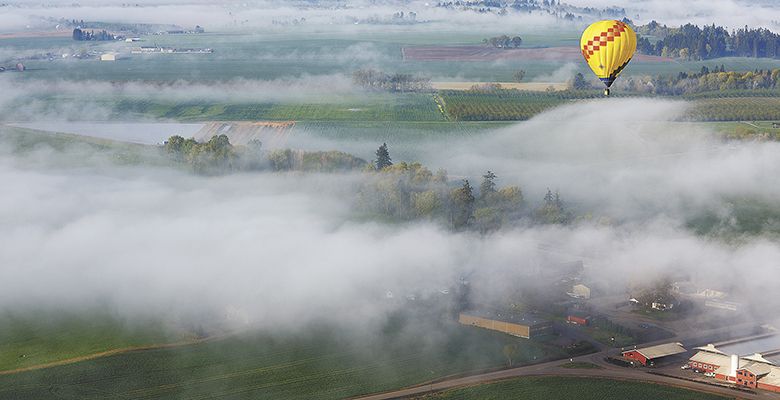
{"points": [[753, 371], [649, 355], [579, 291], [520, 325]]}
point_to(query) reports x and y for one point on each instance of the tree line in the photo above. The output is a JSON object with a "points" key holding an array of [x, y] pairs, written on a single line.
{"points": [[705, 80], [379, 80], [710, 41], [410, 191], [504, 42], [219, 156], [83, 35], [393, 191]]}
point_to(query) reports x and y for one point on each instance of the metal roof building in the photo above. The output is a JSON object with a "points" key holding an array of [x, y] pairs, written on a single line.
{"points": [[647, 355]]}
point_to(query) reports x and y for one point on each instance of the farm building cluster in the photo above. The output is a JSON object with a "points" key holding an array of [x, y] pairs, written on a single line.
{"points": [[753, 371]]}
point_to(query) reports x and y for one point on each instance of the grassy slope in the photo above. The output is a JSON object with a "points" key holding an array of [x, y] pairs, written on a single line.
{"points": [[550, 388], [39, 337], [22, 140], [321, 363]]}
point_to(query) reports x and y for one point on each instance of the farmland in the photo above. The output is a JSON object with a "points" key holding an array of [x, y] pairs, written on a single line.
{"points": [[736, 109], [507, 105], [365, 107], [94, 204], [563, 388], [322, 362], [26, 341], [274, 55]]}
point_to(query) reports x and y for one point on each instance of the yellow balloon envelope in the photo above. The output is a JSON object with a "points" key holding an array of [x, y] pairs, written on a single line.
{"points": [[608, 47]]}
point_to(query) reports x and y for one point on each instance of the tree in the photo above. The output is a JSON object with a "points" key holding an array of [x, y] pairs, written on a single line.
{"points": [[488, 219], [174, 144], [579, 82], [518, 75], [552, 211], [510, 352], [462, 205], [382, 157], [488, 185], [426, 203], [548, 198]]}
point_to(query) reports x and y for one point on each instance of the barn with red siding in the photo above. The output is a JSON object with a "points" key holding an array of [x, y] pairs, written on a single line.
{"points": [[649, 355]]}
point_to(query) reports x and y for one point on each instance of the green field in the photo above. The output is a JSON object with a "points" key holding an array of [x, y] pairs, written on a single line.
{"points": [[370, 107], [563, 388], [38, 337], [508, 105], [736, 109], [274, 55], [316, 362]]}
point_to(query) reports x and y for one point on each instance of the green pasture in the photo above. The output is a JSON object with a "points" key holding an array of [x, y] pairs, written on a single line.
{"points": [[565, 388], [322, 362]]}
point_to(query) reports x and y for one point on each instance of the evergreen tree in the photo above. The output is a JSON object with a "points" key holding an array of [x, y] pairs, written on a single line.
{"points": [[557, 202], [462, 205], [488, 185], [548, 198], [382, 157], [579, 82]]}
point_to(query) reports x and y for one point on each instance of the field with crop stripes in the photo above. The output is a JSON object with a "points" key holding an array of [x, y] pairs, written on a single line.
{"points": [[736, 109], [509, 105], [564, 388], [321, 363], [370, 107], [501, 105]]}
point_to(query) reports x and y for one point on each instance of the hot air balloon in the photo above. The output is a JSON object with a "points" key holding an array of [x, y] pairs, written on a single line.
{"points": [[608, 47]]}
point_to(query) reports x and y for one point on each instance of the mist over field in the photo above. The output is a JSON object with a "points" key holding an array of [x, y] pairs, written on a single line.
{"points": [[286, 249], [21, 15], [313, 198]]}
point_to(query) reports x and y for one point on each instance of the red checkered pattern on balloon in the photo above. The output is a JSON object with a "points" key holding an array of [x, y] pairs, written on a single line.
{"points": [[602, 39]]}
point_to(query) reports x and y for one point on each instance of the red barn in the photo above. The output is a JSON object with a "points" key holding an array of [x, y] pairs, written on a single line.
{"points": [[579, 319], [648, 355]]}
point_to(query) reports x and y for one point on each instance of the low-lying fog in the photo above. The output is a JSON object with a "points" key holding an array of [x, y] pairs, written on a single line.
{"points": [[352, 15], [286, 248]]}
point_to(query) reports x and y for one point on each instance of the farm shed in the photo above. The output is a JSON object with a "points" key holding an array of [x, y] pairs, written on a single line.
{"points": [[520, 325], [648, 355]]}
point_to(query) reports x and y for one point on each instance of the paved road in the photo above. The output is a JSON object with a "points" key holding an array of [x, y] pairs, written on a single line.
{"points": [[553, 368]]}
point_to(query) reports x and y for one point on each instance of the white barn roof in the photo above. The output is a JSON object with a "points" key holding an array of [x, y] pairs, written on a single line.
{"points": [[757, 368], [757, 357], [709, 348], [661, 350], [773, 378], [712, 358]]}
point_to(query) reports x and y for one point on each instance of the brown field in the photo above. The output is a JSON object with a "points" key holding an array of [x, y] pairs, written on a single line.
{"points": [[28, 34], [530, 86], [485, 53], [271, 134]]}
